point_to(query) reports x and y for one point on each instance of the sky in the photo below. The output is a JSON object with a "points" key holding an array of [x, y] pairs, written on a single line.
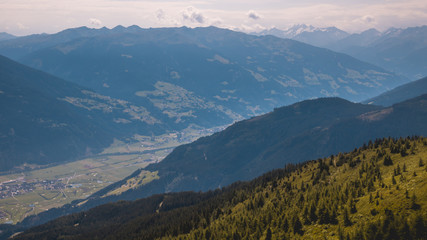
{"points": [[24, 17]]}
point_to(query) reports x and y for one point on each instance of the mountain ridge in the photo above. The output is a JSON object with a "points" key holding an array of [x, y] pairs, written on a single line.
{"points": [[399, 50], [245, 74], [401, 93]]}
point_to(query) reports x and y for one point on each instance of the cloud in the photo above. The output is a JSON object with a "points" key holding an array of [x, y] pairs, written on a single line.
{"points": [[160, 14], [368, 19], [250, 28], [193, 15], [253, 15], [95, 22], [216, 22], [22, 26]]}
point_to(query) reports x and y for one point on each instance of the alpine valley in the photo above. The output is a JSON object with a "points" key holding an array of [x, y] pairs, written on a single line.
{"points": [[317, 143]]}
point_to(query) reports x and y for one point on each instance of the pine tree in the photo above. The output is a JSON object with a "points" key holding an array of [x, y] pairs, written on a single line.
{"points": [[340, 233], [286, 225], [387, 160], [346, 217], [414, 204], [313, 215], [297, 225], [268, 235], [420, 227], [353, 208]]}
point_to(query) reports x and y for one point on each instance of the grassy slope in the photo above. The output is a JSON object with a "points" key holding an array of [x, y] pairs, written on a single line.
{"points": [[269, 206]]}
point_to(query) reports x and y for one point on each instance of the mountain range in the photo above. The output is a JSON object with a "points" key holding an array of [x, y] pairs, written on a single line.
{"points": [[149, 81], [402, 51], [186, 74], [399, 50], [320, 37]]}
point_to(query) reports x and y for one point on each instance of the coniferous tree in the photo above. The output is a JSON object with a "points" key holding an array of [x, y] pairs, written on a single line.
{"points": [[353, 208], [313, 215], [388, 161], [414, 204], [286, 225], [297, 225], [346, 217], [268, 234], [420, 227]]}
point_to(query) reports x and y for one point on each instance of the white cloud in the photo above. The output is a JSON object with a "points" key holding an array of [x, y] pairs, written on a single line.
{"points": [[160, 14], [95, 22], [253, 15], [21, 26], [250, 28], [368, 19], [193, 15]]}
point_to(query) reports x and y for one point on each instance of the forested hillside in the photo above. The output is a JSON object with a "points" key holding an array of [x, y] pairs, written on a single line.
{"points": [[250, 148], [377, 191]]}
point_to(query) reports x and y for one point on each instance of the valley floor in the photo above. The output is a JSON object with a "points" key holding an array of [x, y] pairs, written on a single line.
{"points": [[30, 192]]}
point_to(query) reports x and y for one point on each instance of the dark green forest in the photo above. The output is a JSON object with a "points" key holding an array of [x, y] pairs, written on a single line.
{"points": [[376, 191]]}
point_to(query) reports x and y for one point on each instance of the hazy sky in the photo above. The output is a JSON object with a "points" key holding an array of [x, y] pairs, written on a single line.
{"points": [[22, 17]]}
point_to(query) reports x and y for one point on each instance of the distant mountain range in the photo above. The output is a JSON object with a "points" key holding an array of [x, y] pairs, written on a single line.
{"points": [[247, 149], [189, 74], [320, 37], [402, 51]]}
